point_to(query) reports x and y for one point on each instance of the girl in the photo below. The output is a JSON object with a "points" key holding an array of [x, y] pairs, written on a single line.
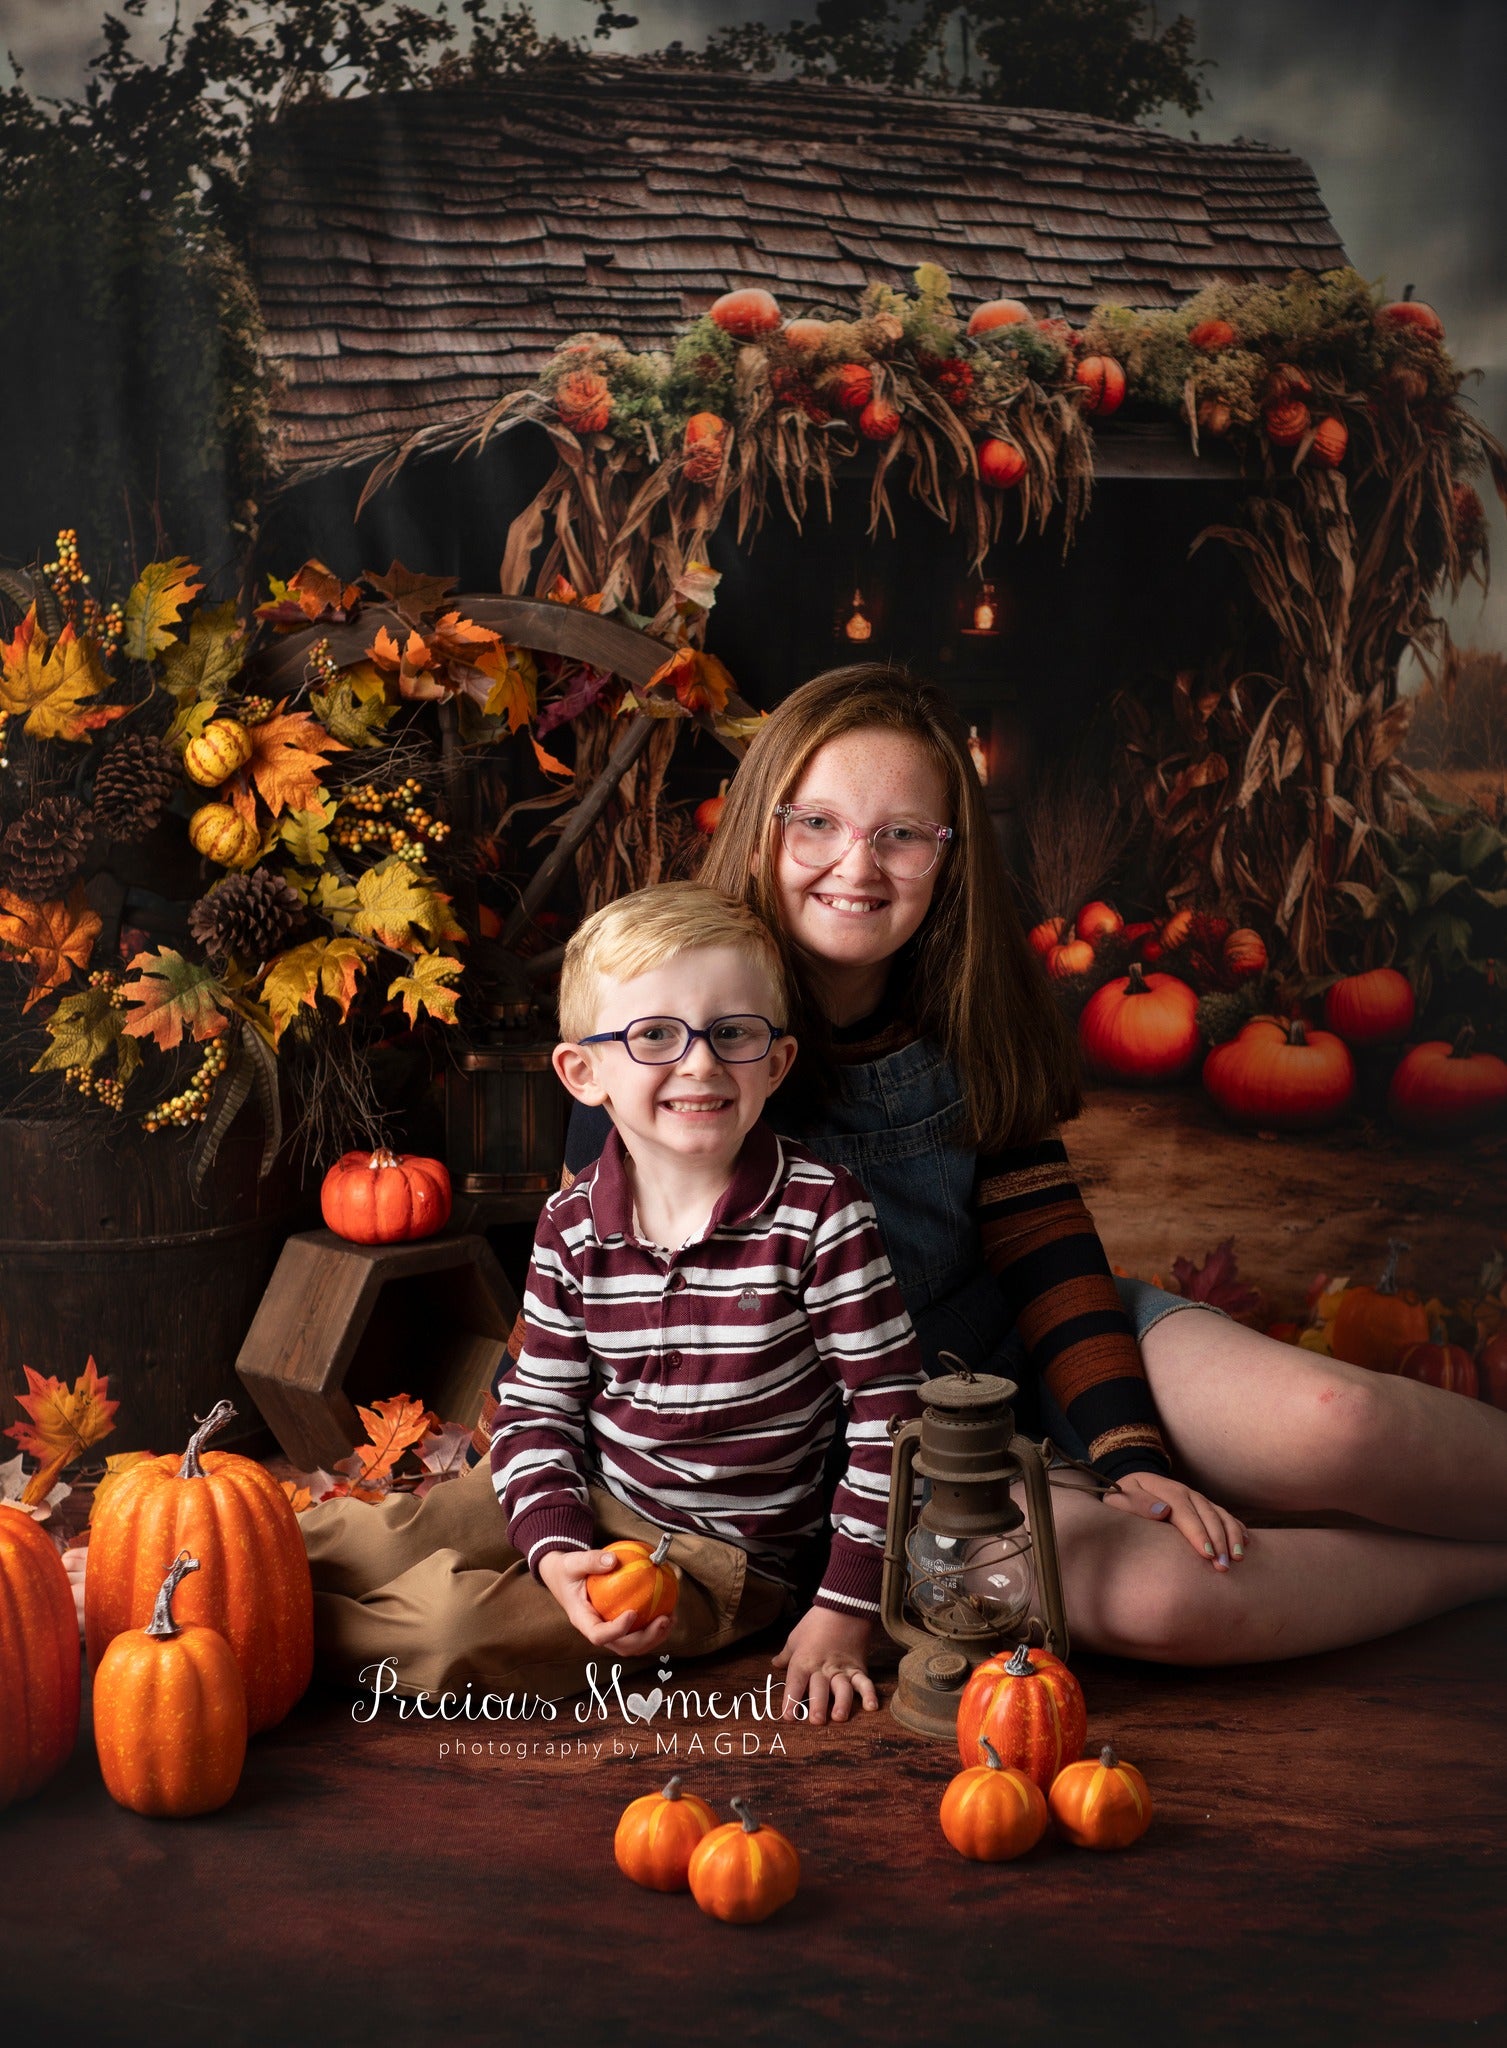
{"points": [[936, 1067]]}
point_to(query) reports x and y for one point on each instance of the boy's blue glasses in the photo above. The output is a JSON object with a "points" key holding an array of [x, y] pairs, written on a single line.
{"points": [[659, 1041]]}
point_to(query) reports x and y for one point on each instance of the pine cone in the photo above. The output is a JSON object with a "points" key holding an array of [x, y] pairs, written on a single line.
{"points": [[45, 847], [247, 916], [134, 781]]}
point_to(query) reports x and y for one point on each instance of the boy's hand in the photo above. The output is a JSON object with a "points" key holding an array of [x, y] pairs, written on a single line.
{"points": [[565, 1573], [829, 1653]]}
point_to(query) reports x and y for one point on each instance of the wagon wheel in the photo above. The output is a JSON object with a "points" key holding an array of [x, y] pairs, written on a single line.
{"points": [[539, 625]]}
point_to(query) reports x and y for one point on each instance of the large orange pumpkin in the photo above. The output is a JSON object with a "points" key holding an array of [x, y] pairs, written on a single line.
{"points": [[743, 1871], [1374, 1326], [1140, 1029], [1001, 463], [998, 313], [385, 1197], [39, 1658], [1441, 1091], [1412, 313], [1030, 1706], [255, 1587], [657, 1834], [991, 1813], [643, 1583], [1441, 1364], [746, 313], [1101, 1804], [1104, 381], [1279, 1075], [170, 1712], [1371, 1009]]}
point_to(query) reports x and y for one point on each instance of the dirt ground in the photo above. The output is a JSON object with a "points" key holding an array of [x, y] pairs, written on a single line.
{"points": [[1165, 1176]]}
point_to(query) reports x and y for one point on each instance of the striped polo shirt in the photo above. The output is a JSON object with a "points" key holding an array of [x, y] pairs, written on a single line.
{"points": [[701, 1387]]}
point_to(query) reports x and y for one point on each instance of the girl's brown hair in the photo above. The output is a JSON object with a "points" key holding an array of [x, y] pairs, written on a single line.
{"points": [[976, 988]]}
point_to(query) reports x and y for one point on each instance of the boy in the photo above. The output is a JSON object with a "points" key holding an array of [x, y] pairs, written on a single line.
{"points": [[699, 1302]]}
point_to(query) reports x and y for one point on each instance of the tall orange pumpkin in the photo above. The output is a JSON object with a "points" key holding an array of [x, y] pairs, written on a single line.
{"points": [[170, 1712], [385, 1197], [1374, 1326], [1030, 1707], [39, 1658], [255, 1587], [1142, 1028]]}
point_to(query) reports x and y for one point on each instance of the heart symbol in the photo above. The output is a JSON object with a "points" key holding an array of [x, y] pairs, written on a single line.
{"points": [[641, 1709]]}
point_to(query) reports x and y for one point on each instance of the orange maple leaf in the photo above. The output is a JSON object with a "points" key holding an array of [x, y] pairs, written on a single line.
{"points": [[563, 591], [288, 751], [548, 762], [48, 685], [394, 1427], [65, 1421], [459, 639], [413, 664], [54, 937], [299, 1497], [699, 680]]}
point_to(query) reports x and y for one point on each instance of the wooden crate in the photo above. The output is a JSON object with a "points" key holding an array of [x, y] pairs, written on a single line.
{"points": [[344, 1323]]}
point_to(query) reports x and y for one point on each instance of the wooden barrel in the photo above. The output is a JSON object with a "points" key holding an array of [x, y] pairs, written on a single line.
{"points": [[104, 1251]]}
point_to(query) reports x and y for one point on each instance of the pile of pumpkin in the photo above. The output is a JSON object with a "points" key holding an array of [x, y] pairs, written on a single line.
{"points": [[1276, 1073], [1389, 1328], [199, 1620], [1022, 1722]]}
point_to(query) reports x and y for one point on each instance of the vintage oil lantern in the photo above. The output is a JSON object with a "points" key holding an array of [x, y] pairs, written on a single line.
{"points": [[964, 1576]]}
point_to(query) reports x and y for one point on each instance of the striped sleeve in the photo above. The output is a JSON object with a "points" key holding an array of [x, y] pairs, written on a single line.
{"points": [[1040, 1241], [864, 1337], [539, 1430]]}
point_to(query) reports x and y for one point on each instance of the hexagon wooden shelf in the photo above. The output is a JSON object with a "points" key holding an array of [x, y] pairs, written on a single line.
{"points": [[344, 1323]]}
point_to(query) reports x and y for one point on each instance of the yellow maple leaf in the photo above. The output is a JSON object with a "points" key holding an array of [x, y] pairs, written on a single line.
{"points": [[425, 988], [48, 686], [64, 1422], [393, 903], [155, 604], [321, 967], [394, 1426], [54, 937], [288, 750]]}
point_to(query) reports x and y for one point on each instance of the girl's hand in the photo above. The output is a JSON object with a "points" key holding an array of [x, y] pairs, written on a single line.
{"points": [[1214, 1532], [829, 1653], [565, 1573]]}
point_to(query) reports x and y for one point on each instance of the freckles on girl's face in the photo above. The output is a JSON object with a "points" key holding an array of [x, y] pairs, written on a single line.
{"points": [[851, 914]]}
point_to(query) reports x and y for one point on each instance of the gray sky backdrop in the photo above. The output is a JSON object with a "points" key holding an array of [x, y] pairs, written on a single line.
{"points": [[1395, 103]]}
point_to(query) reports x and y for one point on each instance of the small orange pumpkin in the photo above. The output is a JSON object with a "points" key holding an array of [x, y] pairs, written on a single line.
{"points": [[1440, 1090], [1491, 1370], [1286, 422], [704, 444], [1371, 1009], [1280, 1075], [1075, 956], [708, 813], [385, 1197], [991, 1813], [1441, 1364], [1244, 954], [1030, 1706], [1141, 1028], [1374, 1326], [258, 1593], [743, 1871], [222, 835], [657, 1834], [1098, 921], [39, 1658], [879, 421], [998, 313], [583, 399], [1176, 930], [1044, 936], [1406, 312], [170, 1712], [1001, 463], [746, 313], [1104, 381], [643, 1583], [214, 755], [1331, 437], [1101, 1804], [1211, 335], [852, 386]]}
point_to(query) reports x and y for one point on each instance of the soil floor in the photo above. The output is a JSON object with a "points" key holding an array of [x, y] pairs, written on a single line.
{"points": [[1166, 1177], [1325, 1866]]}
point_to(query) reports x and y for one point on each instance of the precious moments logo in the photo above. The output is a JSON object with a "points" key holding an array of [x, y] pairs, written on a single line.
{"points": [[666, 1704]]}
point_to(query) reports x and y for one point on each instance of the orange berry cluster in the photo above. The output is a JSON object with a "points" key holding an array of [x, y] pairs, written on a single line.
{"points": [[66, 572], [254, 710], [192, 1105], [107, 624], [107, 1089], [393, 819], [322, 665]]}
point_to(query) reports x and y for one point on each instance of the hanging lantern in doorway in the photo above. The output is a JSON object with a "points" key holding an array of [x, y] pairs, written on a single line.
{"points": [[858, 626], [986, 610]]}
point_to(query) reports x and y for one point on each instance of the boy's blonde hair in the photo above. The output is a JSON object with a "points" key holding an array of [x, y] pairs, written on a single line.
{"points": [[653, 926]]}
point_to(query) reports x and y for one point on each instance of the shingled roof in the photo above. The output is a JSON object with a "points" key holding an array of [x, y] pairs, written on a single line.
{"points": [[418, 254]]}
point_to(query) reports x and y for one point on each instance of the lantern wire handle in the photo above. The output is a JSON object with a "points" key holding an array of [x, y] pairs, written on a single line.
{"points": [[959, 1369]]}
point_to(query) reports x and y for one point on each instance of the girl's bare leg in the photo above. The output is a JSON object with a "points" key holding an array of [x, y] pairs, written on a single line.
{"points": [[1256, 1424]]}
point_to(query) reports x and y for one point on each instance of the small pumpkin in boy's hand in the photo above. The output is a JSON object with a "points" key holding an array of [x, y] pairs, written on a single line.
{"points": [[657, 1834], [1101, 1804], [991, 1813], [643, 1582], [743, 1871]]}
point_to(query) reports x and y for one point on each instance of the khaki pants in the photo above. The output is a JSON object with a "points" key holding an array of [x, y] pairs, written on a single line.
{"points": [[435, 1584]]}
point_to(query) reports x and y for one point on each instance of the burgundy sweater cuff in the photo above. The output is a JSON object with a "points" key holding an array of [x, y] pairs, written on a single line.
{"points": [[538, 1531], [852, 1579]]}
